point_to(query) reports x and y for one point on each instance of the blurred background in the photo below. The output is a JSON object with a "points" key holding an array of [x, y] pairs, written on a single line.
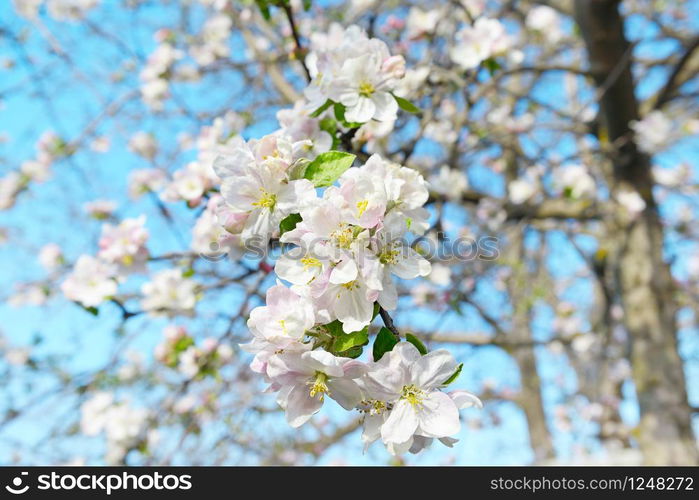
{"points": [[568, 140]]}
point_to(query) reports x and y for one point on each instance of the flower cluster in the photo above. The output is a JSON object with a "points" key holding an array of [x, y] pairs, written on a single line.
{"points": [[344, 245], [356, 71]]}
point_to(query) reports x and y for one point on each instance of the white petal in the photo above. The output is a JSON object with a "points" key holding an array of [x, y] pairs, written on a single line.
{"points": [[300, 406], [438, 416], [362, 111], [464, 399], [345, 391], [401, 424], [344, 272], [433, 369]]}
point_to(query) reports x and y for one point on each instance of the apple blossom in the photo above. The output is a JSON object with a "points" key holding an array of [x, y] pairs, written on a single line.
{"points": [[170, 293], [90, 282]]}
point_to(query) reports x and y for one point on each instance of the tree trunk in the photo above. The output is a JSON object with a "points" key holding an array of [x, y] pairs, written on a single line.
{"points": [[644, 281]]}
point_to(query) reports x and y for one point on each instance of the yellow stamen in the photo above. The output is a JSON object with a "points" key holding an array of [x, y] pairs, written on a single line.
{"points": [[366, 89], [319, 386], [266, 200], [310, 262], [362, 206], [413, 395]]}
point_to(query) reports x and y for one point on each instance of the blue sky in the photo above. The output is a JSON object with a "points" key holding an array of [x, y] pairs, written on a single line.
{"points": [[51, 213]]}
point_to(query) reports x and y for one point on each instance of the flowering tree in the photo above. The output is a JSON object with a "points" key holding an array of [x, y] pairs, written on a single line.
{"points": [[245, 210]]}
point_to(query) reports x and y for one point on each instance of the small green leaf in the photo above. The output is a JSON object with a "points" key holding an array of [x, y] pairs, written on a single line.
{"points": [[347, 341], [307, 5], [92, 310], [264, 9], [491, 65], [288, 223], [406, 105], [384, 342], [188, 273], [322, 108], [328, 167], [454, 375], [416, 342]]}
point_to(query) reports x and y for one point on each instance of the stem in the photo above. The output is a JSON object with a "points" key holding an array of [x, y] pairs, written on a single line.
{"points": [[388, 321], [297, 39]]}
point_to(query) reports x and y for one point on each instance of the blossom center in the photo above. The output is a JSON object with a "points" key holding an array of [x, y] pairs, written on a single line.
{"points": [[266, 199], [362, 206], [319, 386], [413, 395], [310, 262], [343, 237], [352, 285], [366, 89]]}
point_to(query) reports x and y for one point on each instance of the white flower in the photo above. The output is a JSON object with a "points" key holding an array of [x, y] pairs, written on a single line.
{"points": [[449, 182], [91, 281], [474, 44], [125, 244], [255, 182], [100, 209], [51, 256], [653, 132], [145, 180], [358, 72], [284, 319], [631, 200], [143, 144], [520, 190], [574, 181], [169, 293], [305, 379], [546, 21], [403, 390]]}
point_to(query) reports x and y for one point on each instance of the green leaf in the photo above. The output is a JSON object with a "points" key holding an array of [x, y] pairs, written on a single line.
{"points": [[307, 5], [288, 223], [298, 168], [347, 341], [264, 9], [416, 342], [406, 105], [92, 310], [491, 65], [322, 108], [454, 375], [327, 167], [384, 342], [188, 273]]}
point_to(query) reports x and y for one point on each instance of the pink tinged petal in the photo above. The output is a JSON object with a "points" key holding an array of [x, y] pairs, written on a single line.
{"points": [[401, 423], [344, 272], [433, 369], [295, 196], [464, 399], [345, 391], [438, 416], [362, 111], [300, 406]]}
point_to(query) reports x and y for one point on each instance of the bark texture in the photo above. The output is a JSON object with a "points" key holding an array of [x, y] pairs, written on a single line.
{"points": [[644, 281]]}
